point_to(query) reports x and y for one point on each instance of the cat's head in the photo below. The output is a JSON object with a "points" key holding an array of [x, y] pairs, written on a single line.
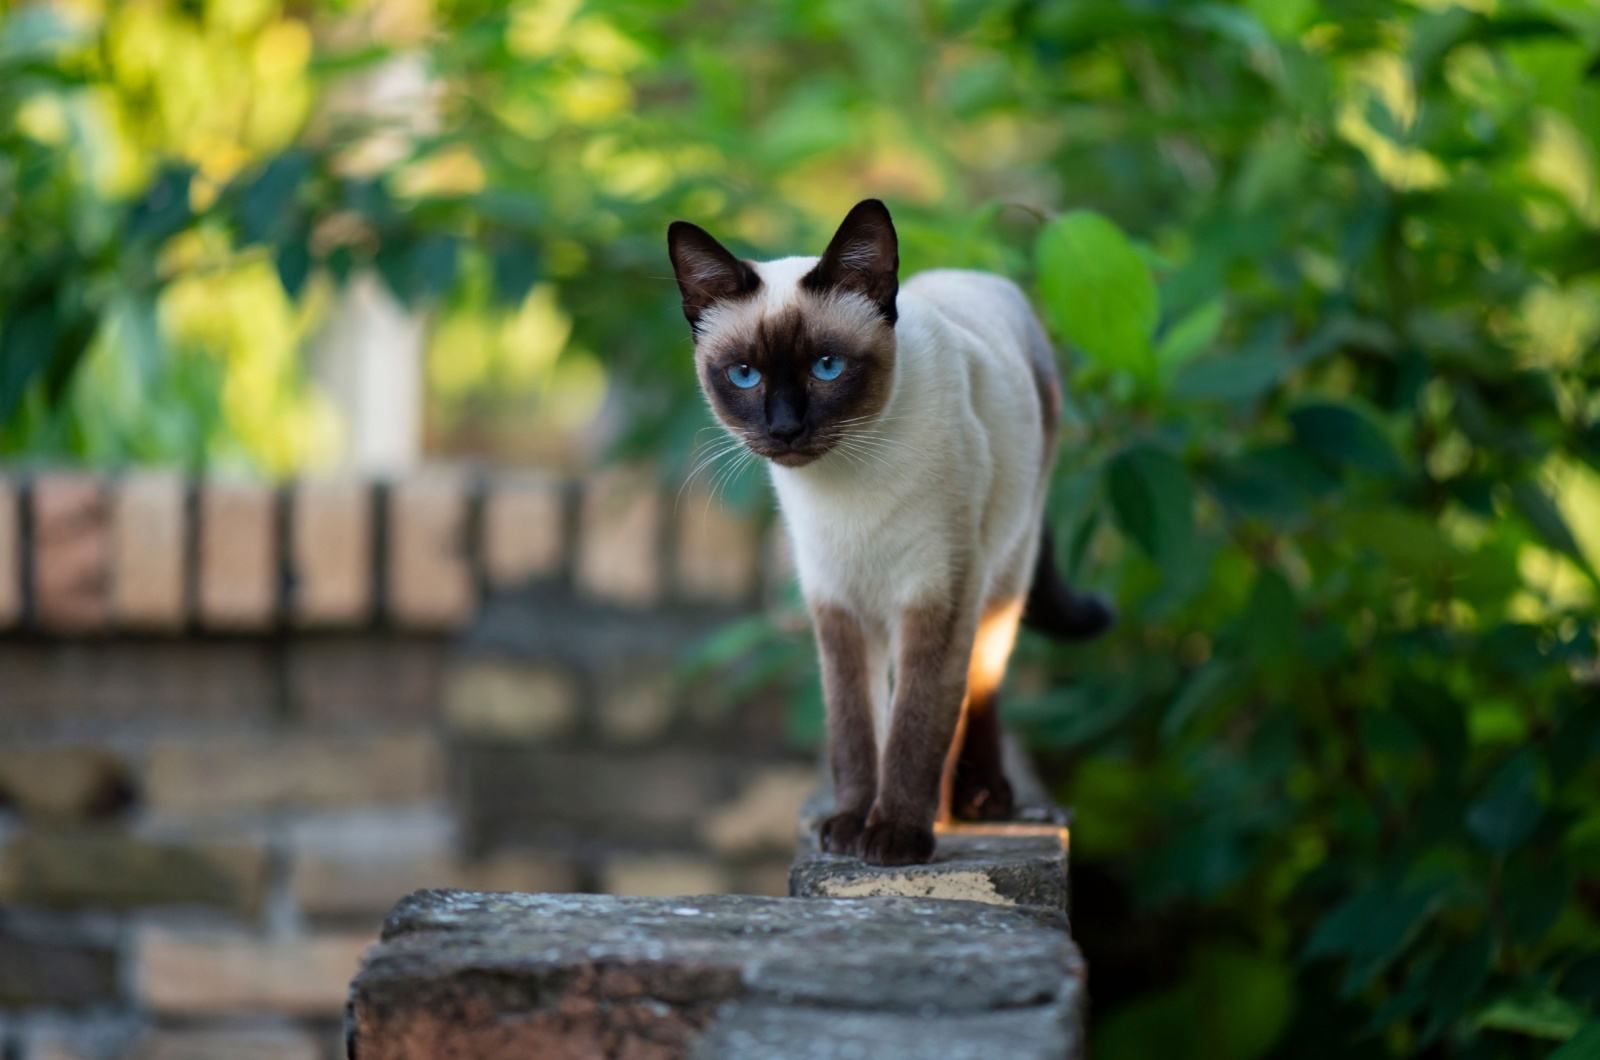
{"points": [[794, 354]]}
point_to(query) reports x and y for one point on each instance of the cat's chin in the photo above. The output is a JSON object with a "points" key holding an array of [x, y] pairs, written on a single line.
{"points": [[792, 458]]}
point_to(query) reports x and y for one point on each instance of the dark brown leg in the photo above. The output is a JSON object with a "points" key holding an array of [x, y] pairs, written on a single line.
{"points": [[843, 648], [979, 790], [930, 674]]}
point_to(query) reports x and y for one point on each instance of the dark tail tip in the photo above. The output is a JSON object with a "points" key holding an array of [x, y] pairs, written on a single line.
{"points": [[1055, 610]]}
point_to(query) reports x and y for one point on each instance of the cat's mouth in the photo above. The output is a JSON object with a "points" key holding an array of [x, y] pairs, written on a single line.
{"points": [[785, 455]]}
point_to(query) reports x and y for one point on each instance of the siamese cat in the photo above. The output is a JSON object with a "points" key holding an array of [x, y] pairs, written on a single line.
{"points": [[910, 433]]}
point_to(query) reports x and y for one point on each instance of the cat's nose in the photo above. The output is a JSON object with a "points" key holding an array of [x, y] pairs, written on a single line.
{"points": [[786, 432]]}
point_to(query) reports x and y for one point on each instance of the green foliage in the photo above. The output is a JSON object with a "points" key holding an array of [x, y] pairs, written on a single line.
{"points": [[1327, 280]]}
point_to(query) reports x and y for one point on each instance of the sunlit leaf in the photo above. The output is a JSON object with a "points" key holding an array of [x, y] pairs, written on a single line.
{"points": [[1098, 291]]}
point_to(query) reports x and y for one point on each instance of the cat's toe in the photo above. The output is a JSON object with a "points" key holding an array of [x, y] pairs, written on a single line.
{"points": [[892, 843], [983, 799], [841, 833]]}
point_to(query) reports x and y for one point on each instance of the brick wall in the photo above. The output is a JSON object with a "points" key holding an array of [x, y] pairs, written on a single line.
{"points": [[237, 723]]}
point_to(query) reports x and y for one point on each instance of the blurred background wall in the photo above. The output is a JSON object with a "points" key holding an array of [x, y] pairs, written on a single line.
{"points": [[306, 287]]}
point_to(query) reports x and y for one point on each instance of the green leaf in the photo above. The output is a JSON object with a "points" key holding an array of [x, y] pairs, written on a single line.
{"points": [[1210, 684], [1508, 812], [1585, 1045], [1538, 1015], [1229, 379], [1341, 435], [1190, 336], [1547, 521], [1098, 291], [1153, 500]]}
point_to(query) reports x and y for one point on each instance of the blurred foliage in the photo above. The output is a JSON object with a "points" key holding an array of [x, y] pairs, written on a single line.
{"points": [[1327, 275]]}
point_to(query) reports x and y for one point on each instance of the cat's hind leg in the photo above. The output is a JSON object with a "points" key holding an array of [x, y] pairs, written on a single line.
{"points": [[978, 789]]}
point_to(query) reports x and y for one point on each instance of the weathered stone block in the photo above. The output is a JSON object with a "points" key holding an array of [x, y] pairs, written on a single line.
{"points": [[238, 584], [718, 551], [78, 686], [393, 680], [104, 868], [211, 973], [148, 549], [71, 553], [53, 783], [546, 796], [330, 553], [619, 541], [761, 818], [454, 977], [775, 1032], [210, 777], [43, 963], [10, 554], [430, 578], [637, 704], [283, 1043], [524, 527], [663, 875], [495, 699], [1029, 868]]}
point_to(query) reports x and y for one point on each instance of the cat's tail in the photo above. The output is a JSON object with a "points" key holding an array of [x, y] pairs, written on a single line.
{"points": [[1052, 608]]}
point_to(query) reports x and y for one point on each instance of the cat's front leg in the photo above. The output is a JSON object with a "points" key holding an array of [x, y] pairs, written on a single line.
{"points": [[935, 641], [846, 650]]}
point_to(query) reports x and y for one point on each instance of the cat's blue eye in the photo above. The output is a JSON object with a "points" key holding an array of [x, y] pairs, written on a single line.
{"points": [[828, 367], [743, 376]]}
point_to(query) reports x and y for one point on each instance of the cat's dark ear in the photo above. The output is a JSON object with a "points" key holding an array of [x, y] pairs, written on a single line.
{"points": [[707, 272], [864, 257]]}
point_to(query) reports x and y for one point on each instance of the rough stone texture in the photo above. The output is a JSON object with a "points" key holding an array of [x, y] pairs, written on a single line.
{"points": [[45, 961], [210, 777], [430, 579], [10, 554], [278, 1044], [618, 560], [718, 557], [147, 552], [78, 686], [523, 530], [495, 977], [210, 973], [487, 698], [775, 1032], [54, 783], [330, 553], [360, 680], [103, 868], [1019, 862], [238, 584], [71, 553], [998, 868]]}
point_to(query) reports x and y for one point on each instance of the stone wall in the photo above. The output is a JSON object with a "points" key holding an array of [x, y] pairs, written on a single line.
{"points": [[238, 723]]}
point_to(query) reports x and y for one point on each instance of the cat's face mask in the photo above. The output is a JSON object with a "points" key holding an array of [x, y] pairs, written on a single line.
{"points": [[796, 357]]}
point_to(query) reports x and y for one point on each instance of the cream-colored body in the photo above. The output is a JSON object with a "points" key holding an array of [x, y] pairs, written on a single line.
{"points": [[940, 494]]}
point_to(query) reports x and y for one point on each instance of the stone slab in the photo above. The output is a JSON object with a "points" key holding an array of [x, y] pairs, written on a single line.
{"points": [[462, 974], [1023, 861], [775, 1032], [1017, 867]]}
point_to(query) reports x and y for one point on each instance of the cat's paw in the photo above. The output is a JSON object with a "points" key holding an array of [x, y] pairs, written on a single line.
{"points": [[981, 798], [892, 843], [841, 833]]}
